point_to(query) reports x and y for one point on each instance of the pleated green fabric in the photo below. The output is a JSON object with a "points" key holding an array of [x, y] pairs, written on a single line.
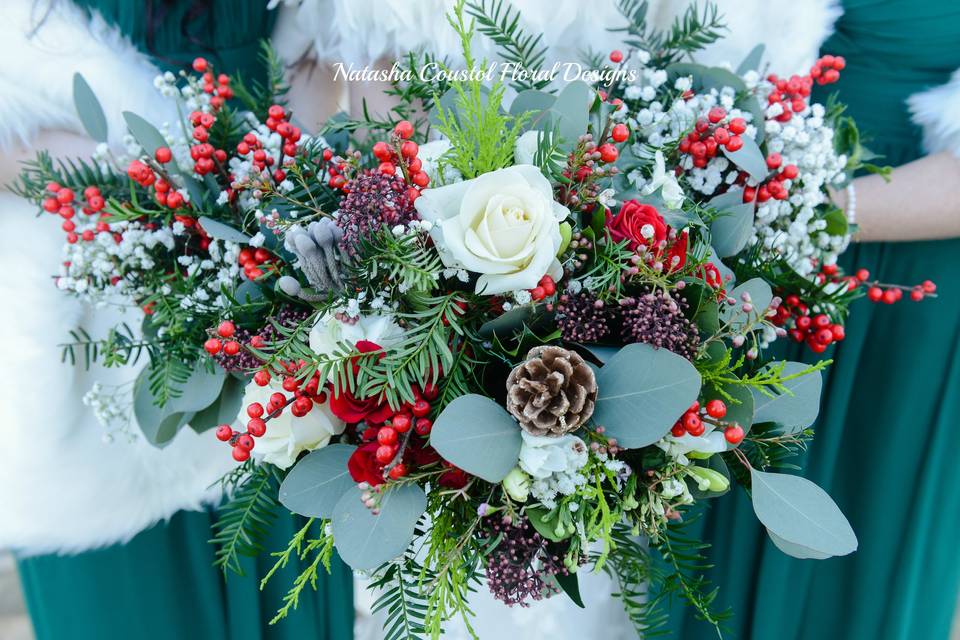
{"points": [[885, 440], [162, 585]]}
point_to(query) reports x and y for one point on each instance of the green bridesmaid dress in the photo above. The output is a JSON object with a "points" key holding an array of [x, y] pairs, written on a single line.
{"points": [[162, 585], [884, 445]]}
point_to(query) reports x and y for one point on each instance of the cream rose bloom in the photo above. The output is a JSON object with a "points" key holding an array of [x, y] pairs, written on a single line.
{"points": [[287, 436], [329, 332], [504, 225]]}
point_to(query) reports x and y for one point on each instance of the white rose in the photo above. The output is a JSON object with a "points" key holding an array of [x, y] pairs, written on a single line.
{"points": [[525, 149], [504, 225], [287, 436], [329, 332], [545, 456]]}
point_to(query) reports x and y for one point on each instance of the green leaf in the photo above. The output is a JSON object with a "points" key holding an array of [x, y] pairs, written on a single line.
{"points": [[537, 103], [731, 230], [221, 231], [572, 109], [479, 436], [364, 540], [315, 485], [507, 323], [571, 586], [760, 297], [89, 109], [146, 135], [801, 513], [793, 412], [223, 410], [752, 61], [642, 392], [749, 158], [726, 274], [795, 550], [706, 78], [160, 424], [837, 224], [547, 526]]}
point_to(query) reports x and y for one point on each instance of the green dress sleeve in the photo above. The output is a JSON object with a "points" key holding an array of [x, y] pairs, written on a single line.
{"points": [[162, 585]]}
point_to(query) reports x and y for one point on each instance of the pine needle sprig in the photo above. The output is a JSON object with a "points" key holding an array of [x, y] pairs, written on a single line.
{"points": [[501, 23], [246, 517]]}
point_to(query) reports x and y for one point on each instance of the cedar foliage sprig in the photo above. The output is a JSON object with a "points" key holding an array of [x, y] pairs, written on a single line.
{"points": [[302, 547]]}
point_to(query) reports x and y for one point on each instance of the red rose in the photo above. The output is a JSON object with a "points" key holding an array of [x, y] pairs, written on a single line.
{"points": [[629, 222], [363, 465], [454, 479], [628, 225], [351, 409]]}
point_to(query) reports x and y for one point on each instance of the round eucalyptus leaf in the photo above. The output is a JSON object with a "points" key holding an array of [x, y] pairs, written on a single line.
{"points": [[479, 436], [760, 298], [795, 550], [750, 158], [364, 540], [798, 408], [642, 392], [315, 485], [801, 513]]}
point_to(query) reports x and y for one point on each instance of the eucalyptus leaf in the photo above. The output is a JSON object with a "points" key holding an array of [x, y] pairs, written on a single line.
{"points": [[537, 104], [89, 109], [221, 231], [760, 298], [752, 61], [796, 410], [572, 109], [248, 292], [795, 550], [731, 230], [507, 323], [315, 485], [200, 389], [801, 513], [364, 540], [160, 424], [146, 135], [740, 410], [750, 158], [479, 436], [223, 410], [706, 78], [726, 274], [642, 392]]}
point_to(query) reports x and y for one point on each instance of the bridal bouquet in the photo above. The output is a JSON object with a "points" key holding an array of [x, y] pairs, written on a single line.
{"points": [[509, 332]]}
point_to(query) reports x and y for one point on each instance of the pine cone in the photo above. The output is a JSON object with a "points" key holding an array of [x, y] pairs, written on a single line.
{"points": [[552, 393]]}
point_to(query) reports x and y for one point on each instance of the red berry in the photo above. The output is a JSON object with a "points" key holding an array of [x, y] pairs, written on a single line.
{"points": [[803, 322], [231, 348], [65, 196], [256, 427], [240, 454], [716, 114], [916, 295], [616, 56], [821, 320], [421, 408], [620, 133], [387, 168], [163, 155], [212, 346], [403, 129], [384, 454], [838, 332], [774, 160], [874, 294], [737, 126], [734, 143], [929, 286], [734, 434], [824, 336], [409, 149], [257, 342], [262, 378], [387, 435], [245, 442], [692, 423], [608, 153], [224, 432], [424, 426], [716, 409], [791, 171], [398, 471], [226, 329], [401, 422], [290, 384], [420, 178], [199, 65], [890, 296], [678, 431], [538, 293]]}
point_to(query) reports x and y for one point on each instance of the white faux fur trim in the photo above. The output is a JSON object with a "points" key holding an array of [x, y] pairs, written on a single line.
{"points": [[369, 30], [937, 110], [65, 489], [45, 46]]}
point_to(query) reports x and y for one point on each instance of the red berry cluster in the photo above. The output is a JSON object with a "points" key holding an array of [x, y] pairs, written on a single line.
{"points": [[695, 419], [62, 202], [146, 176], [277, 120], [220, 90], [205, 157], [402, 151], [544, 289], [827, 69], [891, 293], [817, 330], [393, 435], [773, 187], [230, 347], [586, 165], [711, 133], [304, 395], [257, 262], [792, 93]]}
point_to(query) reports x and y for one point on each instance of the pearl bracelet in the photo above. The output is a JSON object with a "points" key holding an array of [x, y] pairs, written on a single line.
{"points": [[851, 204]]}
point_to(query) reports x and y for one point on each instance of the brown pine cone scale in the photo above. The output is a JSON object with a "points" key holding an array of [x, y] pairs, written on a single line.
{"points": [[553, 392]]}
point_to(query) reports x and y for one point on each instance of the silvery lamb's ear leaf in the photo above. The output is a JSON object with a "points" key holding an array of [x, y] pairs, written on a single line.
{"points": [[89, 109], [801, 513], [221, 231], [760, 298], [749, 158], [642, 391], [315, 485], [364, 540], [479, 436], [796, 410]]}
